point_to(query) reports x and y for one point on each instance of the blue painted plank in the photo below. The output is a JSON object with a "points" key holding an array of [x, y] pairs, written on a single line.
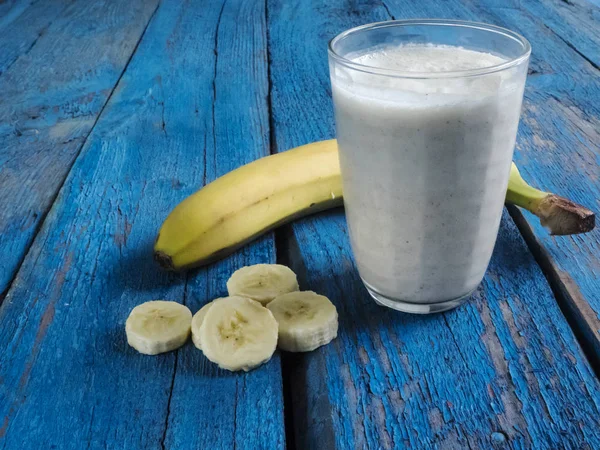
{"points": [[50, 99], [557, 150], [12, 9], [191, 106], [577, 22], [557, 147], [211, 408], [22, 23], [503, 371]]}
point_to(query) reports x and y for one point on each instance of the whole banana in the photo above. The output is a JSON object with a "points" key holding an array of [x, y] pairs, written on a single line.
{"points": [[245, 203]]}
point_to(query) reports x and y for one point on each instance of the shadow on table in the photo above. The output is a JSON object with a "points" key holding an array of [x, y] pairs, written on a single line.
{"points": [[138, 271], [358, 312], [512, 257]]}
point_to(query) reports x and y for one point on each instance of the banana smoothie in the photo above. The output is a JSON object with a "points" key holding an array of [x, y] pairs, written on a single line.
{"points": [[425, 163]]}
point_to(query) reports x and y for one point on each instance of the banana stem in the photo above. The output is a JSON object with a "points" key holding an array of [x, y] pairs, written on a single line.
{"points": [[559, 215], [521, 194]]}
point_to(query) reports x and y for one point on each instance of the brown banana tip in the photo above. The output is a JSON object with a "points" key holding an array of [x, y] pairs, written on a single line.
{"points": [[164, 260], [564, 217]]}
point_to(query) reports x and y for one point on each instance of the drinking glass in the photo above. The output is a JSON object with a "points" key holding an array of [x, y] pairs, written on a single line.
{"points": [[425, 153]]}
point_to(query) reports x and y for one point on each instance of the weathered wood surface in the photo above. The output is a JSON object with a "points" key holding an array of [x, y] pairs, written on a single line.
{"points": [[576, 22], [54, 84], [22, 23], [191, 106], [558, 148], [502, 371]]}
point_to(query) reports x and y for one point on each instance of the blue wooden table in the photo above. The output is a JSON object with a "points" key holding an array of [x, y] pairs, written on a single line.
{"points": [[111, 112]]}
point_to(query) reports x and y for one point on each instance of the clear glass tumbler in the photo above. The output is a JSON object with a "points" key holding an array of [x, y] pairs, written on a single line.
{"points": [[427, 114]]}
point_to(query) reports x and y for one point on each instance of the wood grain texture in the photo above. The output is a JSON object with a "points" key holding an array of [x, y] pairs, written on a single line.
{"points": [[50, 98], [22, 23], [504, 371], [558, 147], [12, 9], [559, 151], [211, 408], [69, 380], [576, 22]]}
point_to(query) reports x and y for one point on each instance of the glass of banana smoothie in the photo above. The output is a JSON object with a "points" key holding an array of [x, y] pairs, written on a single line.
{"points": [[427, 114]]}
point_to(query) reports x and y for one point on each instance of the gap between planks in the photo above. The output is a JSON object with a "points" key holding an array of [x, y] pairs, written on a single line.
{"points": [[572, 305], [575, 308], [281, 257], [571, 46], [542, 258], [288, 361]]}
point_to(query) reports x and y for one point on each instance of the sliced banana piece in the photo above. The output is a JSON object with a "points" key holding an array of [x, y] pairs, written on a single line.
{"points": [[158, 326], [238, 333], [262, 282], [306, 320], [197, 322]]}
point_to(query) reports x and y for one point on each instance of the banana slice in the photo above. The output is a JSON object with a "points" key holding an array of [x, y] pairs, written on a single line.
{"points": [[238, 333], [158, 326], [306, 320], [262, 282], [197, 323]]}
